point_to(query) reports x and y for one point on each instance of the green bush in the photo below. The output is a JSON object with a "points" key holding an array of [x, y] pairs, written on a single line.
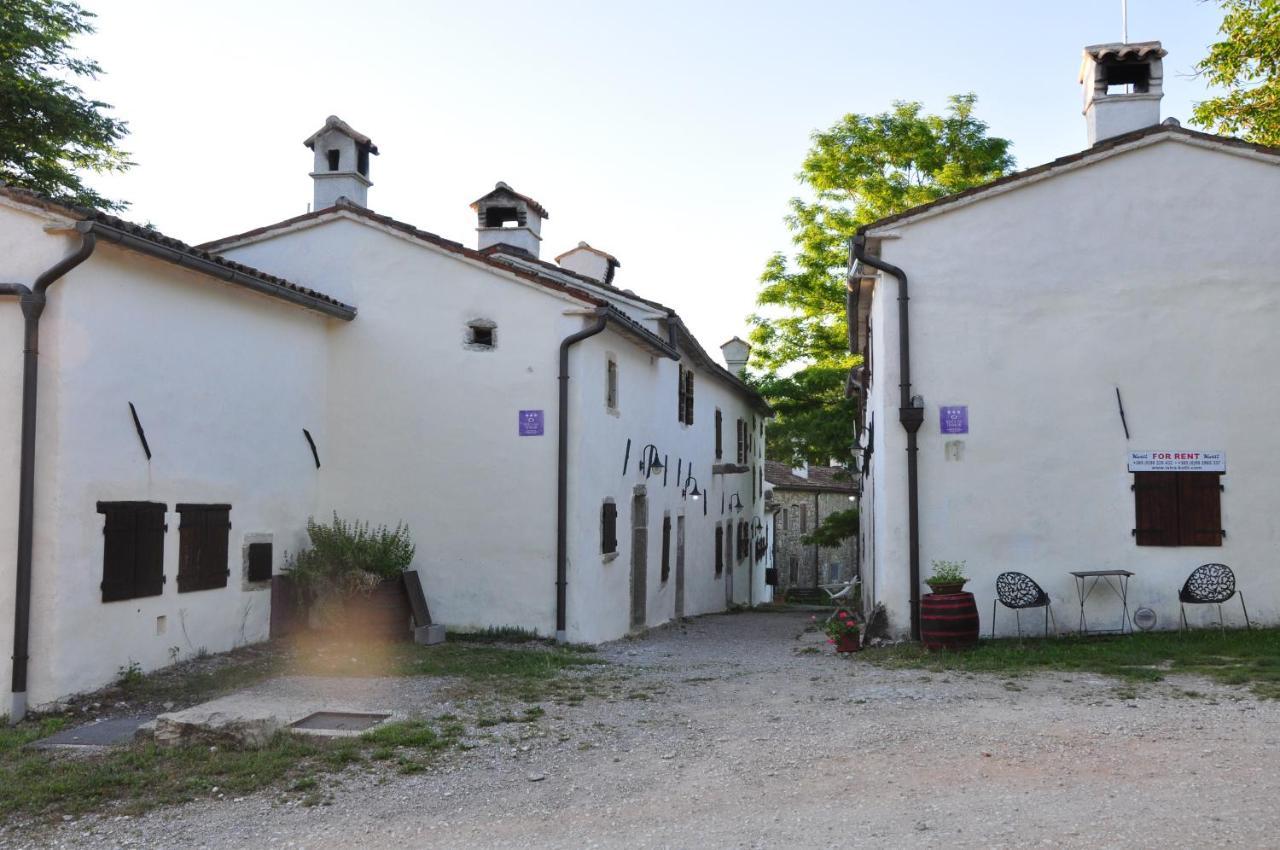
{"points": [[349, 557]]}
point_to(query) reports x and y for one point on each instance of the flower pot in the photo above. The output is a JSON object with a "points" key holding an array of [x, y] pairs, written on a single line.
{"points": [[948, 621], [381, 614], [947, 588], [849, 643]]}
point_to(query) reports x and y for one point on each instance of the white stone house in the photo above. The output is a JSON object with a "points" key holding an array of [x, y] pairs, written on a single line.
{"points": [[197, 405], [1064, 323]]}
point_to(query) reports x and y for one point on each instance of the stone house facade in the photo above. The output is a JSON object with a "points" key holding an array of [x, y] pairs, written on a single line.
{"points": [[802, 497]]}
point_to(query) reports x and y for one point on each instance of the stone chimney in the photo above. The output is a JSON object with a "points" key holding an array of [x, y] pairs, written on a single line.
{"points": [[736, 353], [589, 262], [341, 163], [505, 217], [1123, 85]]}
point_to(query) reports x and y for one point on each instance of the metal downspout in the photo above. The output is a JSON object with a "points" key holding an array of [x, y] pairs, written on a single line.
{"points": [[909, 414], [32, 301], [562, 473]]}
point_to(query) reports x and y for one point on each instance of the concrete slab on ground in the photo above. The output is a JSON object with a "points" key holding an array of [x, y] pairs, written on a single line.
{"points": [[102, 733]]}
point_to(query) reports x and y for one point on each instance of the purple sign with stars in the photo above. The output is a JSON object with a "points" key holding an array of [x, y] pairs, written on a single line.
{"points": [[954, 419], [531, 423]]}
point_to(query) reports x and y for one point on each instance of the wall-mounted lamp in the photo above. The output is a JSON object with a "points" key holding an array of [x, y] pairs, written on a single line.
{"points": [[650, 460], [853, 498], [695, 493], [757, 525], [735, 503]]}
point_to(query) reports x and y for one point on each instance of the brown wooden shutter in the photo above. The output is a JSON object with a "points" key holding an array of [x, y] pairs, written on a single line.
{"points": [[259, 562], [680, 395], [1199, 509], [202, 547], [688, 396], [118, 548], [666, 547], [719, 549], [609, 528], [719, 435], [148, 567], [1155, 508]]}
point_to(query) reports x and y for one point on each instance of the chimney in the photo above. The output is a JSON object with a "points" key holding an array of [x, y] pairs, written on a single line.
{"points": [[505, 217], [1123, 85], [589, 262], [341, 163], [736, 353]]}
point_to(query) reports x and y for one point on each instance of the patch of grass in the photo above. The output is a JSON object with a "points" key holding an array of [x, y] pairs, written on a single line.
{"points": [[1241, 657], [498, 634], [406, 733]]}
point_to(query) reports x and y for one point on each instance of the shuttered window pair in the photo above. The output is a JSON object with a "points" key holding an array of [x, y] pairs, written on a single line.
{"points": [[608, 528], [1178, 509], [202, 546]]}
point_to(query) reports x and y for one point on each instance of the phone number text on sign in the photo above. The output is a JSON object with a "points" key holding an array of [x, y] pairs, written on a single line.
{"points": [[1177, 461]]}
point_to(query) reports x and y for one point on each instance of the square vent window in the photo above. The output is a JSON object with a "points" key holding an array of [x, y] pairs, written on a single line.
{"points": [[482, 335]]}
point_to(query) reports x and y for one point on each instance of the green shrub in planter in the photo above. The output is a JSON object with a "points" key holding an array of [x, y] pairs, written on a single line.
{"points": [[347, 558]]}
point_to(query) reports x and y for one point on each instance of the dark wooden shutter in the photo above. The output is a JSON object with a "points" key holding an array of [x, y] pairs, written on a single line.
{"points": [[719, 549], [680, 395], [666, 547], [609, 528], [148, 568], [1199, 509], [719, 435], [259, 562], [132, 549], [688, 396], [202, 547], [1155, 508]]}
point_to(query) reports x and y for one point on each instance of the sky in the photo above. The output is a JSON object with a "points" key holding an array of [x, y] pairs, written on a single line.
{"points": [[666, 133]]}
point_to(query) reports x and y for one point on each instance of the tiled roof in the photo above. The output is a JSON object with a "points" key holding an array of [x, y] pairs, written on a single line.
{"points": [[333, 122], [502, 189], [832, 479], [1124, 51], [180, 248], [1169, 127]]}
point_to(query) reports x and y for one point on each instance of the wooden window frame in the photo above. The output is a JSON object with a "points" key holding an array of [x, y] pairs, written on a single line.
{"points": [[609, 528], [133, 549], [1178, 509], [204, 537]]}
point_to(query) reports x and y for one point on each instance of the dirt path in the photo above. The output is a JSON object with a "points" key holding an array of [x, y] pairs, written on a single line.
{"points": [[743, 731]]}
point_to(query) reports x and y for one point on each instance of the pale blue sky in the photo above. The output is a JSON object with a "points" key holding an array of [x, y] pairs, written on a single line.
{"points": [[668, 134]]}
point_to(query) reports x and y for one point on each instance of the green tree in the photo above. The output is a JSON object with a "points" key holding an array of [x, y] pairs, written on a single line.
{"points": [[1247, 64], [836, 528], [863, 168], [50, 133]]}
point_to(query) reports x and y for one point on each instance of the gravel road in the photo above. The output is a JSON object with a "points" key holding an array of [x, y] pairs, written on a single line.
{"points": [[755, 735]]}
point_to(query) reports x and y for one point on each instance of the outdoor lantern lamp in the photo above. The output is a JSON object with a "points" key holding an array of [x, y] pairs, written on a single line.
{"points": [[650, 460], [735, 503], [695, 493]]}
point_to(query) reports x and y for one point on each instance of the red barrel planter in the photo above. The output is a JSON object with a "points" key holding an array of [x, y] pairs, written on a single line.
{"points": [[848, 643], [948, 620]]}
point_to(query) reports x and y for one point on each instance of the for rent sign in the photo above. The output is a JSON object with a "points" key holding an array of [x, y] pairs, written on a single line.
{"points": [[1177, 462]]}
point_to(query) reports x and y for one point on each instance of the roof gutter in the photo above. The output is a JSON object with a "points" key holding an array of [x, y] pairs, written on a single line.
{"points": [[910, 414], [32, 300], [143, 246]]}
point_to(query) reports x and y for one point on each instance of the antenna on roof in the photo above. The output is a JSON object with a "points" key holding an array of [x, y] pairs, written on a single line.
{"points": [[1124, 21]]}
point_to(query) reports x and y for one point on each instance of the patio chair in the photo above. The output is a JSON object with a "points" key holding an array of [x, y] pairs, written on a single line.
{"points": [[1211, 584], [839, 593], [1019, 591]]}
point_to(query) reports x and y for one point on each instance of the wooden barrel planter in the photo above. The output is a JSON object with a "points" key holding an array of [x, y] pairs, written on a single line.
{"points": [[948, 620]]}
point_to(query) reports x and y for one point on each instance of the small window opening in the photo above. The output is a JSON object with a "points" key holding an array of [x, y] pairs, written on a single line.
{"points": [[333, 159], [609, 527], [611, 384], [362, 161], [1119, 77], [502, 217], [482, 334]]}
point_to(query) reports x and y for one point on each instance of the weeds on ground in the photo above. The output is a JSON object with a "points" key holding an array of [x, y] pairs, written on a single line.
{"points": [[1239, 657]]}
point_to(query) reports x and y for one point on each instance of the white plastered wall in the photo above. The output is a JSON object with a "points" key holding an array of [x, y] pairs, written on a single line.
{"points": [[1156, 271]]}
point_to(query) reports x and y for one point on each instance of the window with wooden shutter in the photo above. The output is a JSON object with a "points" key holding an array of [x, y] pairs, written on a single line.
{"points": [[719, 434], [666, 547], [132, 550], [611, 384], [259, 562], [742, 441], [719, 549], [680, 394], [609, 528], [688, 396], [1177, 509], [203, 531]]}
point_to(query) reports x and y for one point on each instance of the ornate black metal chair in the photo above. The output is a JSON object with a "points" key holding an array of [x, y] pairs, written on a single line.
{"points": [[1211, 584], [1019, 591]]}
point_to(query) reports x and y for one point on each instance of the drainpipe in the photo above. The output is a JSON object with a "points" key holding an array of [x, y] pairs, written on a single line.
{"points": [[910, 414], [562, 472], [32, 300]]}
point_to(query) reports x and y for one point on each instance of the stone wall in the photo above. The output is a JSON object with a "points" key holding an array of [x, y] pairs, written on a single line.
{"points": [[801, 565]]}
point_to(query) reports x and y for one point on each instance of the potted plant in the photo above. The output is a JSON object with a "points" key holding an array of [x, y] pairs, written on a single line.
{"points": [[844, 631], [948, 577], [350, 578]]}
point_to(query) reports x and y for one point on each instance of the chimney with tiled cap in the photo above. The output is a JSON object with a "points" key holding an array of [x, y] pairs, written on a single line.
{"points": [[736, 354], [341, 163], [507, 218], [589, 262], [1123, 85]]}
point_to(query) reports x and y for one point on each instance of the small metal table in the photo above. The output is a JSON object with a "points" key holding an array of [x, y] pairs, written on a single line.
{"points": [[1117, 581]]}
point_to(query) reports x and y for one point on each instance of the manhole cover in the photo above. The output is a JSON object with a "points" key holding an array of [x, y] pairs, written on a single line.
{"points": [[339, 721]]}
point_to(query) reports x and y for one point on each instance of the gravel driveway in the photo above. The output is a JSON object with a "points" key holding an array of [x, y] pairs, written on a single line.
{"points": [[745, 731]]}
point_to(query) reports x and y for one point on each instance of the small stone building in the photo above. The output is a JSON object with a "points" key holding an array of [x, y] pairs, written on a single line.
{"points": [[804, 496]]}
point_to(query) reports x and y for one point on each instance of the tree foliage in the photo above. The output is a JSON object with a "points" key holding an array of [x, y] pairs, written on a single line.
{"points": [[50, 133], [862, 168], [1246, 63], [836, 528]]}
